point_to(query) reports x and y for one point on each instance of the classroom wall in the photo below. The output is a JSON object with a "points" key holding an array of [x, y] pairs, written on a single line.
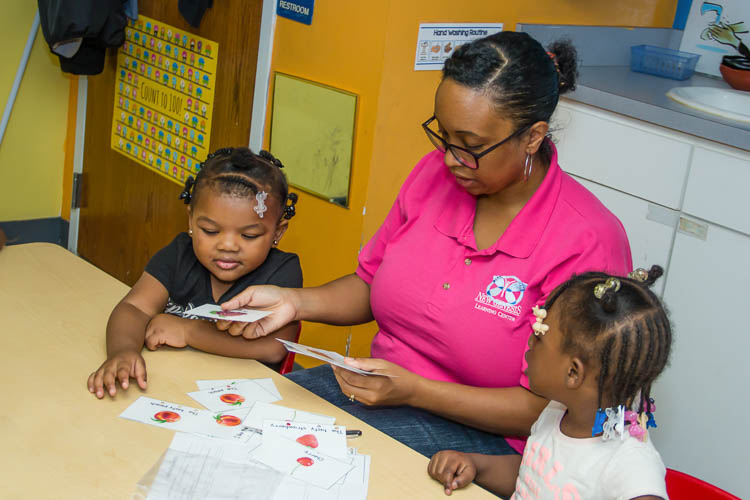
{"points": [[368, 48], [406, 96], [32, 154]]}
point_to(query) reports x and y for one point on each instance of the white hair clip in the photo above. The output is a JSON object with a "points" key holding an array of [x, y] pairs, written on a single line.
{"points": [[261, 207], [614, 426], [539, 327]]}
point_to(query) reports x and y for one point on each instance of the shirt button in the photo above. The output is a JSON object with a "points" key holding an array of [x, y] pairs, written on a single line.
{"points": [[467, 261], [446, 285]]}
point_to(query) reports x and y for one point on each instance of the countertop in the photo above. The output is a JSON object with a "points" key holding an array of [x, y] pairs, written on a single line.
{"points": [[643, 97]]}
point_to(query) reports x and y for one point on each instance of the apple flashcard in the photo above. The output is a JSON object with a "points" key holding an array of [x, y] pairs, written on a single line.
{"points": [[163, 414], [265, 411], [240, 395], [301, 462], [331, 357], [215, 312], [327, 439], [266, 383]]}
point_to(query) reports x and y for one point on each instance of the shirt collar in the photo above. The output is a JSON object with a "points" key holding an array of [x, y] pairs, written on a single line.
{"points": [[523, 233]]}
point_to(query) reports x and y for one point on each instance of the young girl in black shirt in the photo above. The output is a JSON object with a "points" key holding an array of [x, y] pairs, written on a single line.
{"points": [[238, 209]]}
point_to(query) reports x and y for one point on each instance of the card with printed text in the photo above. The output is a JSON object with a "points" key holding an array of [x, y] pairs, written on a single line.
{"points": [[327, 439], [213, 311], [266, 383], [264, 411], [331, 357], [240, 395]]}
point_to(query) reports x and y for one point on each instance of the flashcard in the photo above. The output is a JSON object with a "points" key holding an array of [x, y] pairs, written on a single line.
{"points": [[327, 439], [353, 486], [241, 395], [227, 424], [300, 462], [264, 411], [266, 383], [331, 357], [164, 414], [213, 311]]}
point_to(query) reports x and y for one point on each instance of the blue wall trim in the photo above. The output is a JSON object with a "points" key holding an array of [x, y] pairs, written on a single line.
{"points": [[681, 14], [51, 230]]}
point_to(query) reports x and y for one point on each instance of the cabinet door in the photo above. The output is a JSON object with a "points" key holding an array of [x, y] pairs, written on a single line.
{"points": [[629, 155], [650, 227], [702, 398]]}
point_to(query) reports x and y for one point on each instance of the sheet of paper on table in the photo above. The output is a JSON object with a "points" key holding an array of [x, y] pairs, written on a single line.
{"points": [[212, 311], [331, 357], [195, 467]]}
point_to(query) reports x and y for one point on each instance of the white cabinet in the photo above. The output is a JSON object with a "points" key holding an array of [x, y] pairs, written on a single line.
{"points": [[685, 205], [702, 402], [650, 227]]}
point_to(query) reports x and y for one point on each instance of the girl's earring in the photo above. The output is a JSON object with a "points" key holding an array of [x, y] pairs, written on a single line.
{"points": [[527, 166], [190, 232], [275, 242]]}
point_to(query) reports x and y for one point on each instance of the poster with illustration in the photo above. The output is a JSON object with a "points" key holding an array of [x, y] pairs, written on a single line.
{"points": [[717, 29], [163, 98]]}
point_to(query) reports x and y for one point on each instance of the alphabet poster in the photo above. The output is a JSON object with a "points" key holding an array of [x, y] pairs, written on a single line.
{"points": [[163, 100]]}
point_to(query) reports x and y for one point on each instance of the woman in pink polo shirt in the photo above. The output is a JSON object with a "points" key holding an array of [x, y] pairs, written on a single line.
{"points": [[484, 228]]}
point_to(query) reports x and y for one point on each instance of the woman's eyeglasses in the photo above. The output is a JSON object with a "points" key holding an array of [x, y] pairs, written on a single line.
{"points": [[463, 155]]}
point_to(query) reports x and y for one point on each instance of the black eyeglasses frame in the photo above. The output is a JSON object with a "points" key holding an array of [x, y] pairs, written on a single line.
{"points": [[446, 146]]}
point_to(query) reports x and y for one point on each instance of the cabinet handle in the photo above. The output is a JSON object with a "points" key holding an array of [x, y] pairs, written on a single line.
{"points": [[693, 228]]}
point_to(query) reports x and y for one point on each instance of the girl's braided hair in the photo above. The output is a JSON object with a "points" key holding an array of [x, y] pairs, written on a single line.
{"points": [[626, 330], [240, 172]]}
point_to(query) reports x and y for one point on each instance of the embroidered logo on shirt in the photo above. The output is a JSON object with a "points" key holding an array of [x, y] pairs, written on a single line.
{"points": [[503, 295]]}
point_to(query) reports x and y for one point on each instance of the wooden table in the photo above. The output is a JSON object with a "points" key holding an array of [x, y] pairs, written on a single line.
{"points": [[59, 441]]}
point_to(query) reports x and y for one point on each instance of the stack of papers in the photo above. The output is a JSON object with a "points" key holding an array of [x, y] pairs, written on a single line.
{"points": [[242, 434]]}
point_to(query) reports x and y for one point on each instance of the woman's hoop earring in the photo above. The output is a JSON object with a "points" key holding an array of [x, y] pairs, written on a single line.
{"points": [[527, 166]]}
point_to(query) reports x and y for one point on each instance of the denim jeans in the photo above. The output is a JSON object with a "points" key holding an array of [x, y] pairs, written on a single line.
{"points": [[418, 429]]}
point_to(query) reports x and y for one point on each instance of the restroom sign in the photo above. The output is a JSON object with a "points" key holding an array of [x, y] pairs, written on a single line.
{"points": [[164, 94], [296, 10], [437, 41]]}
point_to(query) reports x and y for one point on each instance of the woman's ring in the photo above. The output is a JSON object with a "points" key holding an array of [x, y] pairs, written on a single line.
{"points": [[351, 398]]}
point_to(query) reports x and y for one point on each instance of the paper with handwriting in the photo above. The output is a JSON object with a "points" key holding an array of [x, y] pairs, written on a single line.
{"points": [[266, 383]]}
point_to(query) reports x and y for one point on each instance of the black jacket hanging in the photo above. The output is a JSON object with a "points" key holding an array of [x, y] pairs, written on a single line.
{"points": [[79, 31]]}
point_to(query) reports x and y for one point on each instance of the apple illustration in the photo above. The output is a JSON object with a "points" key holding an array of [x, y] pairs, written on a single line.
{"points": [[166, 416], [305, 461], [228, 420], [232, 399], [308, 440]]}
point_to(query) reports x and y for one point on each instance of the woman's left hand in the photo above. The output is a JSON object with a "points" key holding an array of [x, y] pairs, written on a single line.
{"points": [[377, 390]]}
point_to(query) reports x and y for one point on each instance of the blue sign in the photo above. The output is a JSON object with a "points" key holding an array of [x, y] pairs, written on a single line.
{"points": [[296, 10]]}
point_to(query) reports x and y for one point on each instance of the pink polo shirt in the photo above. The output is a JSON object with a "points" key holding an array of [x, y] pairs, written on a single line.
{"points": [[448, 311]]}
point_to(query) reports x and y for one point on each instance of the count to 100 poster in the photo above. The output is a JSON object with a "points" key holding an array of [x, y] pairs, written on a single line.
{"points": [[164, 93]]}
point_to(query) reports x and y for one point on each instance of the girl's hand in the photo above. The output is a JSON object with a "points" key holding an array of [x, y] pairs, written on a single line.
{"points": [[119, 367], [453, 469], [167, 329], [374, 390], [265, 297]]}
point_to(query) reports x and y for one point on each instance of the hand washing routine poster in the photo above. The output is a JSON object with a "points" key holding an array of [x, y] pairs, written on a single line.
{"points": [[163, 100], [716, 29]]}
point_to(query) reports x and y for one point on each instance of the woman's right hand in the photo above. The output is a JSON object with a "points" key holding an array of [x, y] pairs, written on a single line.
{"points": [[283, 302], [120, 368]]}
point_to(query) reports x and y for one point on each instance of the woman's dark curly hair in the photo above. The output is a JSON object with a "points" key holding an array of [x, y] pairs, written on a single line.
{"points": [[523, 79]]}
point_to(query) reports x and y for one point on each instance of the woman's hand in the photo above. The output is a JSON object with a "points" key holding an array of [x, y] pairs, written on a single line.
{"points": [[167, 329], [452, 469], [377, 390], [281, 301], [118, 367]]}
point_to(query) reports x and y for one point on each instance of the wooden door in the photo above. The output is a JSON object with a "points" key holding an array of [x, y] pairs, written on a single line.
{"points": [[129, 212]]}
